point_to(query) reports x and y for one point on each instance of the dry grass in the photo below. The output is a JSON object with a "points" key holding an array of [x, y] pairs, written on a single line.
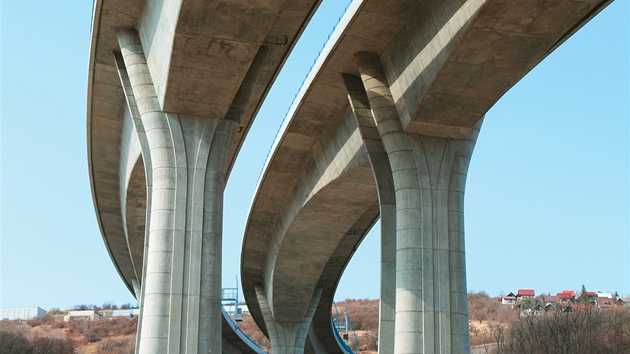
{"points": [[107, 336]]}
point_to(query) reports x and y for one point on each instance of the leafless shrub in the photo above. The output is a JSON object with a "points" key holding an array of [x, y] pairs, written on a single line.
{"points": [[118, 346], [14, 343], [363, 313], [588, 330], [94, 331], [45, 345], [249, 327]]}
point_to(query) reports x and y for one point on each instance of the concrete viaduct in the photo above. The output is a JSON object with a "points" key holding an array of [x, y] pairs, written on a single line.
{"points": [[384, 126]]}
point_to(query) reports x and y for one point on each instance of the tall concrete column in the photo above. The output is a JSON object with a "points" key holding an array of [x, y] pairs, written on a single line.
{"points": [[429, 176], [287, 337], [181, 291], [148, 170], [382, 171]]}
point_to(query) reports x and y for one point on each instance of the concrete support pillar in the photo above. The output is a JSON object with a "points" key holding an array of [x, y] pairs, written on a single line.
{"points": [[148, 170], [181, 291], [287, 337], [429, 176], [382, 171]]}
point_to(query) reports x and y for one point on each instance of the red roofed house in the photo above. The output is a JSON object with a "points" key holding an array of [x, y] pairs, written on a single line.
{"points": [[525, 293], [549, 299], [566, 296], [605, 302], [578, 307], [591, 296]]}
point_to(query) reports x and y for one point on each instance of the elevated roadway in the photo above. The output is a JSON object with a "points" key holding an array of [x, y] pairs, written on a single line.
{"points": [[173, 88], [385, 125]]}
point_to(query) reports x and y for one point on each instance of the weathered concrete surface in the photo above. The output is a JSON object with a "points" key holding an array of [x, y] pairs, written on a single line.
{"points": [[181, 289], [166, 118], [446, 63], [429, 176], [290, 284], [233, 341], [382, 171], [107, 105]]}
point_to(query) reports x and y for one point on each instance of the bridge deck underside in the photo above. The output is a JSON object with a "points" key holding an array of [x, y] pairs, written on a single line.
{"points": [[447, 63]]}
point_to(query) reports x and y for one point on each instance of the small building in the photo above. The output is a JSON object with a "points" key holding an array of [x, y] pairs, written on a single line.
{"points": [[537, 310], [577, 306], [605, 302], [606, 295], [22, 313], [525, 293], [549, 299], [126, 313], [550, 307], [509, 299], [566, 296], [87, 315]]}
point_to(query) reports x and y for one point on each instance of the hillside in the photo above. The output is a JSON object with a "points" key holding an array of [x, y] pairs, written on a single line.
{"points": [[580, 327], [109, 336]]}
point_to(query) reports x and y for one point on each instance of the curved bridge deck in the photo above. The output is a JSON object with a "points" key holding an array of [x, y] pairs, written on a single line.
{"points": [[447, 63]]}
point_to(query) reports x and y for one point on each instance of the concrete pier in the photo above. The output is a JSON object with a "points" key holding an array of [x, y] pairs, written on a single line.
{"points": [[382, 171], [287, 336], [173, 88], [429, 175], [182, 295]]}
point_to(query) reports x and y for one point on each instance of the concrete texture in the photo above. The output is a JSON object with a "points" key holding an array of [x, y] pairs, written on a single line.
{"points": [[182, 291], [173, 88], [442, 76], [171, 98], [287, 336], [107, 104], [310, 255], [429, 176], [382, 171]]}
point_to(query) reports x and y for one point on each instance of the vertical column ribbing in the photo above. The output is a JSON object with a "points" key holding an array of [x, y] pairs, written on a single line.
{"points": [[157, 284], [182, 285], [287, 337], [188, 156], [387, 204], [148, 170], [429, 177]]}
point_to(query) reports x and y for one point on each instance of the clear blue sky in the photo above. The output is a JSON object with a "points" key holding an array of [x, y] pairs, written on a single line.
{"points": [[547, 202]]}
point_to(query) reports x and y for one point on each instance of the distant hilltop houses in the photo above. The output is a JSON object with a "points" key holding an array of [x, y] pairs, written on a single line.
{"points": [[35, 312], [567, 300], [91, 315], [525, 299]]}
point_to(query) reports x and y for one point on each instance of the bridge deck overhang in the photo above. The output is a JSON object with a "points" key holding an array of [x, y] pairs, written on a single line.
{"points": [[198, 53], [447, 63]]}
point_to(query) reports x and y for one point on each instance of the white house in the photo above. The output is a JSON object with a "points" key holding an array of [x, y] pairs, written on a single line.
{"points": [[88, 315], [22, 313], [126, 313], [509, 299]]}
